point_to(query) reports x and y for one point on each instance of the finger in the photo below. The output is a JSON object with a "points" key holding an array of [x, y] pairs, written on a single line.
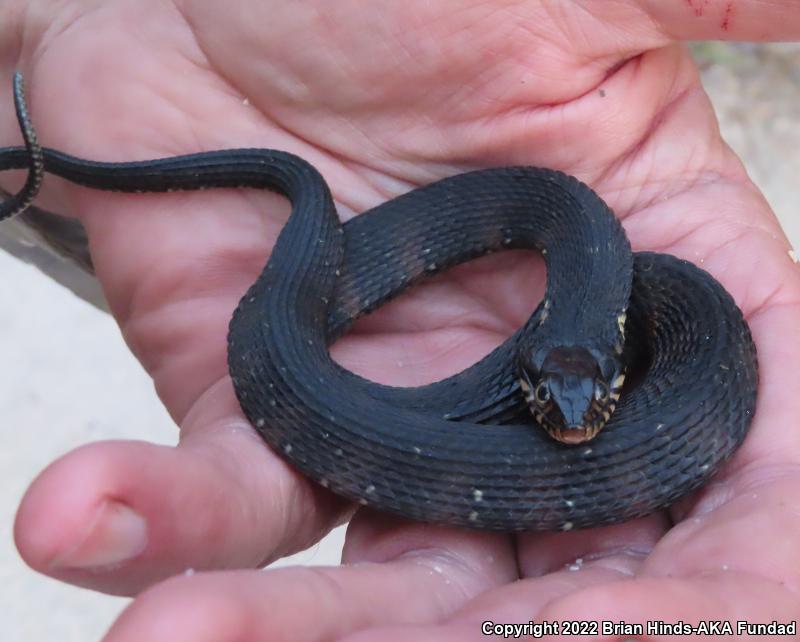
{"points": [[516, 603], [717, 547], [118, 516], [412, 585], [621, 547], [741, 20], [722, 597], [377, 537], [752, 530], [604, 607]]}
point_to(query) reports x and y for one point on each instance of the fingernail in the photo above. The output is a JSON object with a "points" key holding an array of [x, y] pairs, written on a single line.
{"points": [[116, 534]]}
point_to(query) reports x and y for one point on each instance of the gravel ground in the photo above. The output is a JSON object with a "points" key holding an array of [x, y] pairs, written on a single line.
{"points": [[756, 92], [52, 400]]}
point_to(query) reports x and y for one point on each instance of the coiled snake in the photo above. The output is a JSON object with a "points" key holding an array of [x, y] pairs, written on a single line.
{"points": [[470, 450]]}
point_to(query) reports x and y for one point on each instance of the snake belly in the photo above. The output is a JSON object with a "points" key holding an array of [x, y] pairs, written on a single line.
{"points": [[464, 451]]}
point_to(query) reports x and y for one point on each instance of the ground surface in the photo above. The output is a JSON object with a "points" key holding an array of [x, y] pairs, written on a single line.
{"points": [[67, 378]]}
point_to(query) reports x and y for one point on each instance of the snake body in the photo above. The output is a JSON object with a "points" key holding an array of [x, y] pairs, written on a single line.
{"points": [[465, 451]]}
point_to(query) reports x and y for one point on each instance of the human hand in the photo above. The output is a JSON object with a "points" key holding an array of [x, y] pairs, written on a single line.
{"points": [[381, 99]]}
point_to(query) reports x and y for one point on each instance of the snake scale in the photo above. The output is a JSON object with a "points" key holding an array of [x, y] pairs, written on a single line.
{"points": [[469, 450]]}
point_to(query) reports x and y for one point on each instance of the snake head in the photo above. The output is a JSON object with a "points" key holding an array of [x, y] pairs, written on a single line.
{"points": [[571, 395]]}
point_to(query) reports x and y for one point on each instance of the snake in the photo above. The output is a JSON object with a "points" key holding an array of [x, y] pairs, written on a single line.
{"points": [[628, 387]]}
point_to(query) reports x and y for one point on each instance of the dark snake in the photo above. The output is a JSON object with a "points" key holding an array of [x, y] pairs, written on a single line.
{"points": [[466, 450]]}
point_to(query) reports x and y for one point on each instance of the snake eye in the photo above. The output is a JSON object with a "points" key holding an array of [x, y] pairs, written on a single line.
{"points": [[542, 393], [600, 391]]}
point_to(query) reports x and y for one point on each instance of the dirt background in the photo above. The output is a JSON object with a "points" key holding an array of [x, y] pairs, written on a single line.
{"points": [[68, 378]]}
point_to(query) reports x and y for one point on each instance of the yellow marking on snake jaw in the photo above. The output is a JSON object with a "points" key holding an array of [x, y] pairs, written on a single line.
{"points": [[526, 389], [606, 415], [617, 384], [621, 323], [614, 396]]}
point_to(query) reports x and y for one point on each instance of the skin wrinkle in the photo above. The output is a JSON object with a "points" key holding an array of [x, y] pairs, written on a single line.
{"points": [[635, 148], [785, 292], [468, 312], [746, 232], [503, 325], [222, 268], [238, 509], [709, 567], [615, 559], [519, 24], [461, 323], [637, 37], [674, 105], [157, 356], [49, 31], [755, 474], [672, 243], [629, 551], [668, 102], [602, 574], [722, 248], [732, 485], [422, 370], [481, 24], [220, 271], [368, 191], [466, 319], [666, 190], [765, 227], [289, 491], [568, 24], [572, 102], [470, 300], [502, 605], [439, 559], [770, 305], [539, 118]]}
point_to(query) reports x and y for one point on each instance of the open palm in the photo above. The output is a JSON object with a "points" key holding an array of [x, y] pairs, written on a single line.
{"points": [[383, 97]]}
